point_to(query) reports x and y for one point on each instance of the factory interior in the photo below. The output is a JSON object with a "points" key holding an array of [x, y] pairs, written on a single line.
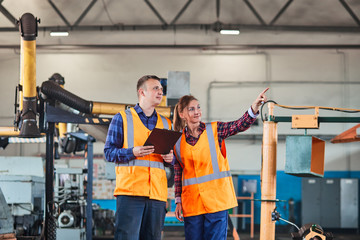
{"points": [[67, 67]]}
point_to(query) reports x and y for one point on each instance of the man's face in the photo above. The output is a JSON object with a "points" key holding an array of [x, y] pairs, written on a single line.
{"points": [[152, 92]]}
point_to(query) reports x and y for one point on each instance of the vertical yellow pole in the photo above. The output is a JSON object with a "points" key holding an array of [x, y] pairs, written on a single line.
{"points": [[29, 69], [28, 29], [21, 76], [268, 178]]}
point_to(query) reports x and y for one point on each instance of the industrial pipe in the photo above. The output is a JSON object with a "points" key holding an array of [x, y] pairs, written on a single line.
{"points": [[53, 90], [28, 28], [58, 79]]}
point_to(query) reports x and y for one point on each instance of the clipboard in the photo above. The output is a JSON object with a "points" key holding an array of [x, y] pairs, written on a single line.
{"points": [[163, 140]]}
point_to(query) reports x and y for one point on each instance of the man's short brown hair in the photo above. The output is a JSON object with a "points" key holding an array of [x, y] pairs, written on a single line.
{"points": [[143, 79]]}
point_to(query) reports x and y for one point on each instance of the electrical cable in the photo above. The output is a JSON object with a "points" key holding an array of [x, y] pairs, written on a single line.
{"points": [[346, 110], [31, 211], [107, 13], [290, 223]]}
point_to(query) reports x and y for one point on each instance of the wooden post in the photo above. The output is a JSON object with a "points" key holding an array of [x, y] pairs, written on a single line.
{"points": [[268, 178]]}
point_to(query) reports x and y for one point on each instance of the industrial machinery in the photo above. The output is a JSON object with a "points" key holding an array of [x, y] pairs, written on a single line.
{"points": [[70, 202], [312, 149], [6, 220], [23, 190], [310, 231], [37, 113]]}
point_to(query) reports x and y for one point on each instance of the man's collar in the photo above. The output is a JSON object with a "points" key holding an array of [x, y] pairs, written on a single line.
{"points": [[139, 110]]}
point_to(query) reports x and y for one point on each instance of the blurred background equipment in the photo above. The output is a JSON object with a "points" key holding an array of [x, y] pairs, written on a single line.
{"points": [[23, 189], [70, 202], [6, 220]]}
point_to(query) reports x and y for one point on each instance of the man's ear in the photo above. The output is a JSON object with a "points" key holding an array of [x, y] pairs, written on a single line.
{"points": [[141, 92], [181, 114]]}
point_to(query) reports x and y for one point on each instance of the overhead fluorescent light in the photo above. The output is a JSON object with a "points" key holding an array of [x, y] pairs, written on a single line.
{"points": [[230, 32], [59, 34]]}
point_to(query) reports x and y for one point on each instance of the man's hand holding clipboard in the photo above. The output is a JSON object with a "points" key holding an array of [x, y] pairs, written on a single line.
{"points": [[163, 140], [160, 141]]}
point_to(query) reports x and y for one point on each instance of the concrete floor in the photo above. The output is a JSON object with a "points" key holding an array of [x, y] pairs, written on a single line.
{"points": [[243, 236], [179, 235]]}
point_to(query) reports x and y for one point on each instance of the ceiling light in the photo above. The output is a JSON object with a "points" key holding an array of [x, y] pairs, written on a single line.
{"points": [[59, 34], [230, 32]]}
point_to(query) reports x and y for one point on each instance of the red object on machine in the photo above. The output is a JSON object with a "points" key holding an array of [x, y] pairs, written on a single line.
{"points": [[350, 135]]}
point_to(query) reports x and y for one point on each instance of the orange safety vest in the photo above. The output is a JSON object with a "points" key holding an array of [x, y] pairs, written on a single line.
{"points": [[143, 176], [207, 185]]}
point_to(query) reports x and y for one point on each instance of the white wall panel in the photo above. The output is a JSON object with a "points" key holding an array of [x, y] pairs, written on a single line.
{"points": [[110, 75]]}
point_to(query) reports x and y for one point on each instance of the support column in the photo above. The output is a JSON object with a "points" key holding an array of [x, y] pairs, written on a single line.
{"points": [[268, 178], [50, 224], [89, 188]]}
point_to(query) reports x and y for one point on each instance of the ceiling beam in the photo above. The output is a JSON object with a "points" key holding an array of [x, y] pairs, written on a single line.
{"points": [[205, 27], [195, 46], [282, 10], [253, 10], [59, 13], [85, 12], [156, 13], [181, 12], [7, 14], [350, 11]]}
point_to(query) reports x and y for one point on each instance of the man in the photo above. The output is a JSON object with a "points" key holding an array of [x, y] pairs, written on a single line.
{"points": [[141, 184]]}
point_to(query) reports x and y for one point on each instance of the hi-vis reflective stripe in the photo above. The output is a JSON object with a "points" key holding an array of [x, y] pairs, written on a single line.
{"points": [[130, 127], [216, 171], [206, 178], [142, 163], [177, 152], [211, 140], [27, 140], [165, 122]]}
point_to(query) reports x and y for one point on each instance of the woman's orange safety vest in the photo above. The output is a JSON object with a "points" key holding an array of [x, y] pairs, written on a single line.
{"points": [[143, 176], [207, 185]]}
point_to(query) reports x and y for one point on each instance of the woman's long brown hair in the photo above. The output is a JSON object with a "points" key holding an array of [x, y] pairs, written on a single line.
{"points": [[183, 102]]}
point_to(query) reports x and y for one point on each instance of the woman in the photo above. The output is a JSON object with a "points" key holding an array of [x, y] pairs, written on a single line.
{"points": [[203, 185]]}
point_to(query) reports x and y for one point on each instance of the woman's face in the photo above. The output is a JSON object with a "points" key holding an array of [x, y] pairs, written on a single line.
{"points": [[192, 113]]}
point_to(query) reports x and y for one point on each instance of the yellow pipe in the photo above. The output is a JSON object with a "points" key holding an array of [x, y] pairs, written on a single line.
{"points": [[62, 126], [165, 111], [21, 76], [29, 68], [108, 108], [28, 28], [62, 129], [8, 132], [113, 108], [268, 178]]}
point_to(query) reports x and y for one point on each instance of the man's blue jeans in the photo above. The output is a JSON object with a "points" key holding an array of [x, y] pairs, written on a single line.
{"points": [[139, 218]]}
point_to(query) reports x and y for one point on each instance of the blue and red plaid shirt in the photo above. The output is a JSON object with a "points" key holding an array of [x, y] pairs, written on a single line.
{"points": [[225, 129]]}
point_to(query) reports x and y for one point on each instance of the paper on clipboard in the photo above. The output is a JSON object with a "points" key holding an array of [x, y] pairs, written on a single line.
{"points": [[163, 140]]}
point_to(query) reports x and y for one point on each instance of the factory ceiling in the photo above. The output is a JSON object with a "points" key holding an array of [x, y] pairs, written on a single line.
{"points": [[187, 22]]}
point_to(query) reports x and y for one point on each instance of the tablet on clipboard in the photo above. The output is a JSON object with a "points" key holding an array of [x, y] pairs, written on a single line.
{"points": [[163, 140]]}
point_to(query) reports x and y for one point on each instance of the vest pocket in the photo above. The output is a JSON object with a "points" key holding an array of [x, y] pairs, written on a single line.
{"points": [[158, 185], [124, 183], [190, 201]]}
